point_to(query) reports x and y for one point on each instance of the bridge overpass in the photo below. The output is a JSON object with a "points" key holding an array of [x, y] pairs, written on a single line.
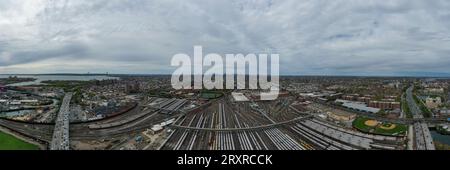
{"points": [[60, 139]]}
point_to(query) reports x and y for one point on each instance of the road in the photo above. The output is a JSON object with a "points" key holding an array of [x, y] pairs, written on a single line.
{"points": [[60, 139], [422, 135]]}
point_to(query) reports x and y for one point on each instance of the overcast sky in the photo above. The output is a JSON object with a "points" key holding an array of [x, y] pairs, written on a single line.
{"points": [[320, 37]]}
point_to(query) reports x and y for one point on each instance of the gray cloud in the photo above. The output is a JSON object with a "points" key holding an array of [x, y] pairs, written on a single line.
{"points": [[141, 36]]}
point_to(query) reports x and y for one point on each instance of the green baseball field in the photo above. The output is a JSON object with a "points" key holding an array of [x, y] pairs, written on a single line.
{"points": [[376, 127]]}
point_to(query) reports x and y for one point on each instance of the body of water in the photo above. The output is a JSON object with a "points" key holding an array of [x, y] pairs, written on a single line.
{"points": [[439, 137], [41, 78]]}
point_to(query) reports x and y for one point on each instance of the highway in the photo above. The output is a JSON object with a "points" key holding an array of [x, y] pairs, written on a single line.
{"points": [[60, 139], [422, 135]]}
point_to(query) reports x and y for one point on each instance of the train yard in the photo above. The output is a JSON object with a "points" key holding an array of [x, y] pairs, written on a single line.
{"points": [[246, 126], [218, 125]]}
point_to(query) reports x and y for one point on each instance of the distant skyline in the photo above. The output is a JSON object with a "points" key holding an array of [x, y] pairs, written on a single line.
{"points": [[429, 75], [313, 37]]}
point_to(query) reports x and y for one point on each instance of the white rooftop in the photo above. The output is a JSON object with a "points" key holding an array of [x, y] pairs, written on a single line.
{"points": [[239, 97], [358, 106]]}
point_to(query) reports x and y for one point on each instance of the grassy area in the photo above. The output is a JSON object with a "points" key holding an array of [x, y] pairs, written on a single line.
{"points": [[210, 95], [425, 111], [441, 146], [67, 85], [359, 123], [9, 142], [158, 93], [405, 108], [15, 79], [399, 129]]}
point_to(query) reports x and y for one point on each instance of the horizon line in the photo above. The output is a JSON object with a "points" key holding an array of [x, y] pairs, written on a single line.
{"points": [[284, 75]]}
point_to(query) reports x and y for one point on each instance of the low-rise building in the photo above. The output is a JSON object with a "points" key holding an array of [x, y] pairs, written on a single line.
{"points": [[239, 97], [359, 106], [444, 112], [433, 103], [434, 90], [384, 105], [341, 116], [2, 88]]}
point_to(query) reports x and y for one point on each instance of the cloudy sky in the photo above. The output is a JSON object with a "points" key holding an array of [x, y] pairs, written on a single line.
{"points": [[320, 37]]}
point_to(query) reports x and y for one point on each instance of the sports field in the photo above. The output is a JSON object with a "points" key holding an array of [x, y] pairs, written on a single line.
{"points": [[9, 142], [383, 128]]}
